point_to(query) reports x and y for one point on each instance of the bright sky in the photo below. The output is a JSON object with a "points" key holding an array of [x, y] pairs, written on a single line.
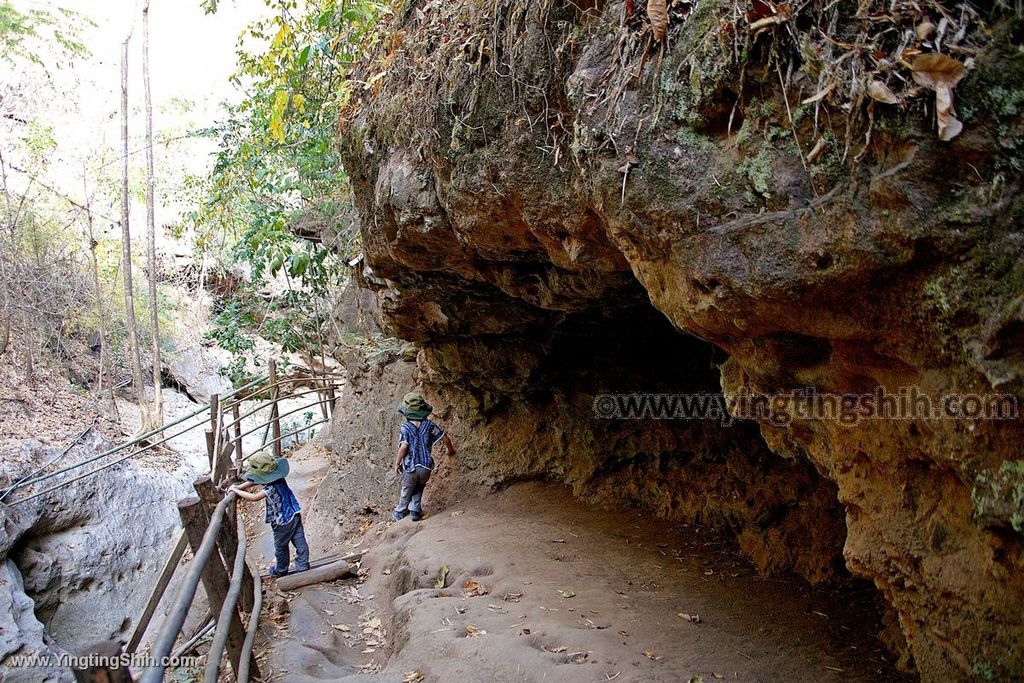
{"points": [[192, 54]]}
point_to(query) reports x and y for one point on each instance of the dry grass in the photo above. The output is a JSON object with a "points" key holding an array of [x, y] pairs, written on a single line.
{"points": [[432, 76]]}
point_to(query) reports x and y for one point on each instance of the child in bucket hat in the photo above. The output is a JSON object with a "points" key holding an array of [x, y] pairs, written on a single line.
{"points": [[414, 461], [283, 512]]}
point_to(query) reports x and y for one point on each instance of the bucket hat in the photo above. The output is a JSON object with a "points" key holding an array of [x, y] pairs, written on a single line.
{"points": [[264, 468], [414, 406]]}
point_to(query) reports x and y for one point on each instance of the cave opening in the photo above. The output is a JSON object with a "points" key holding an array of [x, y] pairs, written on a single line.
{"points": [[674, 455], [697, 470]]}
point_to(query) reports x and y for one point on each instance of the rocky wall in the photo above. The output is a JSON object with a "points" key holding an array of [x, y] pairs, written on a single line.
{"points": [[554, 204]]}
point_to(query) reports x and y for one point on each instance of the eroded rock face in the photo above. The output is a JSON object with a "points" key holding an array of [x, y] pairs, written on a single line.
{"points": [[21, 632], [362, 445], [83, 559], [539, 194]]}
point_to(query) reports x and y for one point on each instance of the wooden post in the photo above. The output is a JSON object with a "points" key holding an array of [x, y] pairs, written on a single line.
{"points": [[215, 428], [211, 439], [238, 435], [275, 412], [109, 672], [158, 591], [214, 411], [222, 458], [331, 398], [195, 519], [227, 537]]}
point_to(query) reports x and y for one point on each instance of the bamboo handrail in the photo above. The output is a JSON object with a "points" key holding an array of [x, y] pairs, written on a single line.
{"points": [[131, 442], [290, 412], [220, 636], [282, 381], [165, 439], [170, 565], [285, 436], [100, 468], [270, 402], [250, 632], [164, 642]]}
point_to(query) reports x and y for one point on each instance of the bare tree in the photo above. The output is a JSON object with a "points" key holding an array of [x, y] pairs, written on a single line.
{"points": [[97, 287], [151, 265], [5, 336], [126, 251]]}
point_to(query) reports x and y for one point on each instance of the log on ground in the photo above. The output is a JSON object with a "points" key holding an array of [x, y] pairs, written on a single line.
{"points": [[329, 572]]}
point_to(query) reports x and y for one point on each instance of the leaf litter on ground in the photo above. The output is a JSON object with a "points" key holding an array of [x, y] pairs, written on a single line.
{"points": [[472, 589], [442, 576]]}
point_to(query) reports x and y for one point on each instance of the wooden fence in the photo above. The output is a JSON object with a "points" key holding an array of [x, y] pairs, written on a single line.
{"points": [[213, 529]]}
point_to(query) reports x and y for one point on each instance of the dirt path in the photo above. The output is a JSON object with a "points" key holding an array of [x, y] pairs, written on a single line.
{"points": [[573, 594]]}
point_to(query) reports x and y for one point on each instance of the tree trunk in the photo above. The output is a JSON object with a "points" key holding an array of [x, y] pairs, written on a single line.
{"points": [[151, 265], [97, 288], [126, 251], [5, 336]]}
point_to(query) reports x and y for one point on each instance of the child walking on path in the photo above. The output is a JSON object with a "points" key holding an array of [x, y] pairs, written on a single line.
{"points": [[283, 512], [414, 462]]}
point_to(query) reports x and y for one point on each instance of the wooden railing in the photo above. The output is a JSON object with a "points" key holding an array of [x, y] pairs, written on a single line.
{"points": [[213, 529]]}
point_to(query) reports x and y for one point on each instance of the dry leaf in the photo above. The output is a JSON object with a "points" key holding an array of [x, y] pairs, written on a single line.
{"points": [[342, 627], [472, 589], [578, 657], [880, 92], [567, 594], [512, 597], [949, 125], [657, 12], [692, 618], [924, 30], [473, 631], [442, 576], [650, 655], [412, 677], [556, 650], [696, 679], [941, 73], [933, 70]]}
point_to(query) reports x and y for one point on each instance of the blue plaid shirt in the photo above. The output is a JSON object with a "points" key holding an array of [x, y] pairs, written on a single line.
{"points": [[421, 440], [281, 503]]}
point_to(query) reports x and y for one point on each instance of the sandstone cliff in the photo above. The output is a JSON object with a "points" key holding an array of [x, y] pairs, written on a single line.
{"points": [[555, 205]]}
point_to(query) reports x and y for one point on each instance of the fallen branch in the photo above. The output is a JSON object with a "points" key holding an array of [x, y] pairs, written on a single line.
{"points": [[328, 572]]}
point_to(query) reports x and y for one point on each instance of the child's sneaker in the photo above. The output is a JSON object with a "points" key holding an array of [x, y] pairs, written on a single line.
{"points": [[416, 517], [298, 569], [397, 516], [275, 572]]}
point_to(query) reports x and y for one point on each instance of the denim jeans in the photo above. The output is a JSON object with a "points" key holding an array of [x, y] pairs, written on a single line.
{"points": [[293, 533], [409, 500]]}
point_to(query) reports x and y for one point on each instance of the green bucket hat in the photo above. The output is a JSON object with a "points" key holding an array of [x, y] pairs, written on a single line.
{"points": [[414, 406], [264, 468]]}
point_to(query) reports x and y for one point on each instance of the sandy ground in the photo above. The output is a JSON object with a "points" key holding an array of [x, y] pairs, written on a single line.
{"points": [[541, 588]]}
